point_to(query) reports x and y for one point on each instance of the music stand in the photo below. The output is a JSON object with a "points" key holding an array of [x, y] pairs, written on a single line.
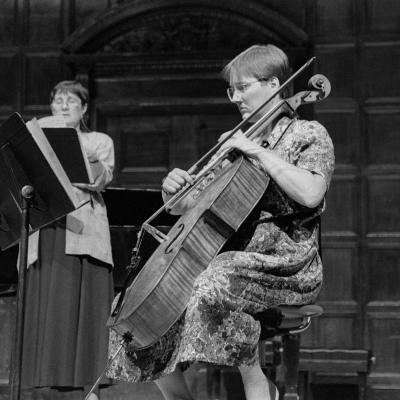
{"points": [[35, 191]]}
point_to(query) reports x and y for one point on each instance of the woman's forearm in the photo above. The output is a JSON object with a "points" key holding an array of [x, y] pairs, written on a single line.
{"points": [[301, 185]]}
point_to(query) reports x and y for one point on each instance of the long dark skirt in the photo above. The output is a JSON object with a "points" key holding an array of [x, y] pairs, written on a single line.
{"points": [[68, 300]]}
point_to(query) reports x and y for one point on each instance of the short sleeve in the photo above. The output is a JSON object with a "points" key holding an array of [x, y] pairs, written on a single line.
{"points": [[314, 149]]}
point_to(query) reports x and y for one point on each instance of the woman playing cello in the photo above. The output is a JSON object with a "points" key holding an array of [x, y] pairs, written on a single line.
{"points": [[272, 260]]}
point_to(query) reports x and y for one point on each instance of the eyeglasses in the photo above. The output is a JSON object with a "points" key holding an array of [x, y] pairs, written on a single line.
{"points": [[70, 101], [241, 87]]}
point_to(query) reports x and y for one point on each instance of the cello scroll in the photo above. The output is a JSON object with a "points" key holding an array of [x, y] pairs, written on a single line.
{"points": [[320, 88]]}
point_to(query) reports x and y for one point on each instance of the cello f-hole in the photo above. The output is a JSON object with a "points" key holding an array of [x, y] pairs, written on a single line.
{"points": [[180, 230]]}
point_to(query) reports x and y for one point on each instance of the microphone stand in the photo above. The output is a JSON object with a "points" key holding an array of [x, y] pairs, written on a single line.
{"points": [[27, 194]]}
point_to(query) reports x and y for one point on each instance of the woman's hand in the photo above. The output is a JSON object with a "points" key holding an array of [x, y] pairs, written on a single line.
{"points": [[301, 185], [175, 181], [240, 142], [95, 186]]}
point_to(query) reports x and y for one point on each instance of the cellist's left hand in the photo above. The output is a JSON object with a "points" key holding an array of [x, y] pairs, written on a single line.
{"points": [[240, 142]]}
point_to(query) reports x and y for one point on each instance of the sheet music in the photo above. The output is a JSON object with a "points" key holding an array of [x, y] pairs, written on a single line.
{"points": [[58, 121], [52, 121], [78, 199]]}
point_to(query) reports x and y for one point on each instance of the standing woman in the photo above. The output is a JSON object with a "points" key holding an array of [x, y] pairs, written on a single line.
{"points": [[69, 277]]}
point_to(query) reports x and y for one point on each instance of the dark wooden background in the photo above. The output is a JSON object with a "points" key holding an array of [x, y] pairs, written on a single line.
{"points": [[153, 70]]}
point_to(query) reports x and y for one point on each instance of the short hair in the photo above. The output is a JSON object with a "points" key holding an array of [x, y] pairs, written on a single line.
{"points": [[74, 87], [77, 89], [262, 62]]}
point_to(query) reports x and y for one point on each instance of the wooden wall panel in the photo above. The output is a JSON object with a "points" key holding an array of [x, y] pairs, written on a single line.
{"points": [[379, 57], [160, 86], [44, 22], [338, 62], [324, 332], [85, 10], [342, 211], [141, 145], [43, 71], [383, 276], [211, 127], [383, 204], [8, 79], [8, 12], [336, 331], [385, 340], [383, 135], [335, 18], [342, 126], [296, 14], [382, 17], [339, 264]]}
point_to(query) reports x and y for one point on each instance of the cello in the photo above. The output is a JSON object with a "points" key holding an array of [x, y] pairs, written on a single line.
{"points": [[159, 294]]}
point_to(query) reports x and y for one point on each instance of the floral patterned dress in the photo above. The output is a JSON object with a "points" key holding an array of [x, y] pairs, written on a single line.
{"points": [[272, 260]]}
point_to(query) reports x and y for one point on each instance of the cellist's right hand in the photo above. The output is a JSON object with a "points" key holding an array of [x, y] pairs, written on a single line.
{"points": [[175, 181]]}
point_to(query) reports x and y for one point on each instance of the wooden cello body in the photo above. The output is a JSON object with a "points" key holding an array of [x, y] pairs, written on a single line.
{"points": [[160, 292]]}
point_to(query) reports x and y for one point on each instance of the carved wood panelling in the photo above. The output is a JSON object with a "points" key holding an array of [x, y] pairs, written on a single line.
{"points": [[142, 148], [383, 275], [161, 86], [8, 79], [335, 18], [383, 135], [340, 294], [384, 338], [8, 26], [339, 64], [185, 31], [44, 22], [342, 126], [342, 211], [383, 204], [336, 332], [255, 16], [86, 10], [375, 59], [284, 7], [211, 128], [382, 16], [43, 71], [340, 270]]}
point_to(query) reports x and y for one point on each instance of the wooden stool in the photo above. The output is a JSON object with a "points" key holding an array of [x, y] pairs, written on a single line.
{"points": [[284, 321], [294, 320]]}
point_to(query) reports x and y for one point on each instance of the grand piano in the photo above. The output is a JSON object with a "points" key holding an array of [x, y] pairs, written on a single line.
{"points": [[127, 209]]}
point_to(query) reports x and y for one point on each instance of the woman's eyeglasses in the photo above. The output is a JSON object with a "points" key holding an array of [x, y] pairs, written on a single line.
{"points": [[241, 87]]}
